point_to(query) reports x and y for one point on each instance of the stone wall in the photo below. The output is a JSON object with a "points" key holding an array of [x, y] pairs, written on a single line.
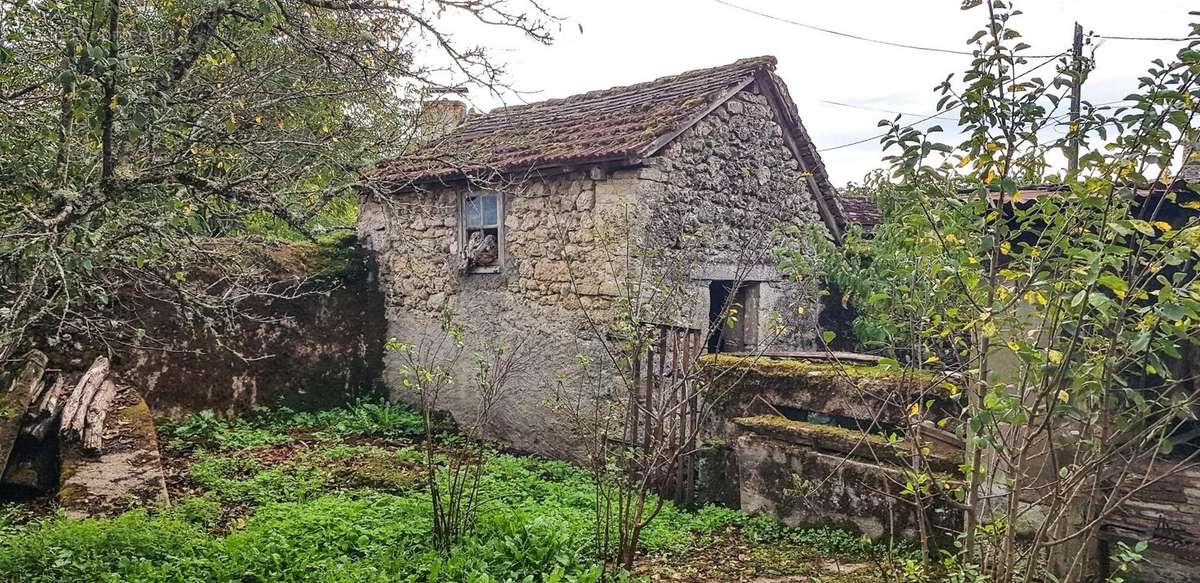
{"points": [[725, 188], [1166, 513], [317, 350], [559, 273], [804, 486], [702, 209]]}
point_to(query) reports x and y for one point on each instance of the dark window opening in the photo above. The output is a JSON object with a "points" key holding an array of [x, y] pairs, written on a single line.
{"points": [[731, 310]]}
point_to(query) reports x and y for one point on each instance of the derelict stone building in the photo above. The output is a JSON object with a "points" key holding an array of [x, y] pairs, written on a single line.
{"points": [[531, 223]]}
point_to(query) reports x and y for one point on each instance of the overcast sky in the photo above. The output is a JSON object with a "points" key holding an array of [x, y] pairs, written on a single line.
{"points": [[629, 41]]}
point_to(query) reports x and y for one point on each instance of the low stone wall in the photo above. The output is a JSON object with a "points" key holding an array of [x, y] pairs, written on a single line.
{"points": [[806, 474], [754, 386], [317, 350], [1167, 515]]}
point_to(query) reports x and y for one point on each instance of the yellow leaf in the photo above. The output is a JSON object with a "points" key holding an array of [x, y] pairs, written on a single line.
{"points": [[1056, 357], [914, 410], [1064, 397], [933, 360], [258, 119], [989, 329], [966, 160], [1013, 345], [1162, 226], [1005, 247], [1016, 196], [113, 105], [1191, 204]]}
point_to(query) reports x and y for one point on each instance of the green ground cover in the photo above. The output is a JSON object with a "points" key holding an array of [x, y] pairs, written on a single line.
{"points": [[337, 496]]}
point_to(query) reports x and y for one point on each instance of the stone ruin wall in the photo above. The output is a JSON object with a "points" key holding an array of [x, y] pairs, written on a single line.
{"points": [[707, 203], [725, 188], [560, 272], [317, 350]]}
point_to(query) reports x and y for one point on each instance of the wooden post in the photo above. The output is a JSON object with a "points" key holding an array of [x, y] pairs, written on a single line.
{"points": [[1076, 99]]}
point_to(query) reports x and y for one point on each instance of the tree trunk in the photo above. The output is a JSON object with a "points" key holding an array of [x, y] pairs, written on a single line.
{"points": [[15, 400]]}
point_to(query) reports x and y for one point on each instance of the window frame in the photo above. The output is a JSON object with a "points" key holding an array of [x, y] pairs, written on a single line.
{"points": [[464, 230]]}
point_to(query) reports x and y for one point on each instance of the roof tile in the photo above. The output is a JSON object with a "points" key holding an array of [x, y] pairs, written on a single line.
{"points": [[617, 123]]}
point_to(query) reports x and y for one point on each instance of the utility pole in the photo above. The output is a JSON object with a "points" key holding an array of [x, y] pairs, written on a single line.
{"points": [[1076, 98]]}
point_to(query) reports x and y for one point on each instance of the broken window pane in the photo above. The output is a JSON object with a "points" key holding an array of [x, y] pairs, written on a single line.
{"points": [[474, 211]]}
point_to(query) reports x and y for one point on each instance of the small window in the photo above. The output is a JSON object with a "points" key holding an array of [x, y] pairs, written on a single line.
{"points": [[482, 232]]}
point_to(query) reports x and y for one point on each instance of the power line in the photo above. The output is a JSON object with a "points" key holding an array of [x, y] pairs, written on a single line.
{"points": [[1146, 38], [863, 107], [855, 36], [936, 113]]}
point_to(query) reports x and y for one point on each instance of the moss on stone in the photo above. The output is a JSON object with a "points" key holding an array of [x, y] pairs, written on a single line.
{"points": [[842, 440], [787, 367]]}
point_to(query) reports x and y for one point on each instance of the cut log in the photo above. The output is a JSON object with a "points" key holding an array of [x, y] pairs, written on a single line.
{"points": [[42, 417], [15, 400], [76, 406], [30, 377], [93, 425]]}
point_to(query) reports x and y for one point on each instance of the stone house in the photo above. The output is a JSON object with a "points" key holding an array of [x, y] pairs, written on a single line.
{"points": [[531, 224]]}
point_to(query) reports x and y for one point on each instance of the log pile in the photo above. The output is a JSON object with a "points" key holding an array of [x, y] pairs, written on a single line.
{"points": [[43, 401]]}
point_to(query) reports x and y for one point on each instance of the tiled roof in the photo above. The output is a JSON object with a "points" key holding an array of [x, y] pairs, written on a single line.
{"points": [[621, 122], [857, 210]]}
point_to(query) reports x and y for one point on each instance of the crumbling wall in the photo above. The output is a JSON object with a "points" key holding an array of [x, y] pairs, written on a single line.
{"points": [[317, 350], [806, 478], [1166, 514]]}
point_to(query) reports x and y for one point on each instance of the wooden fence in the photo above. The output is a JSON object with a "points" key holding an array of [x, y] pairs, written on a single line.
{"points": [[664, 410]]}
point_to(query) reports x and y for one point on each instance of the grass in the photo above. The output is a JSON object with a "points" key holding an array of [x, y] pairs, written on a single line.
{"points": [[337, 496]]}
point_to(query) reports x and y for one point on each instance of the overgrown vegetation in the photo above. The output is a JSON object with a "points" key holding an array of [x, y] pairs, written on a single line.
{"points": [[340, 495], [1066, 311]]}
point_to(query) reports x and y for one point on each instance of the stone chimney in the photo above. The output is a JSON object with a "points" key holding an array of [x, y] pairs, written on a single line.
{"points": [[442, 114]]}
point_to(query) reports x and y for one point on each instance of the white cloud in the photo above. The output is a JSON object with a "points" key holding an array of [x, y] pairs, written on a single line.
{"points": [[629, 41]]}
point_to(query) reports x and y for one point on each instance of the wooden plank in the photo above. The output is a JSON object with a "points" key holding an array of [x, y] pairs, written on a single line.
{"points": [[43, 415], [648, 429], [676, 439], [634, 412], [694, 416]]}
